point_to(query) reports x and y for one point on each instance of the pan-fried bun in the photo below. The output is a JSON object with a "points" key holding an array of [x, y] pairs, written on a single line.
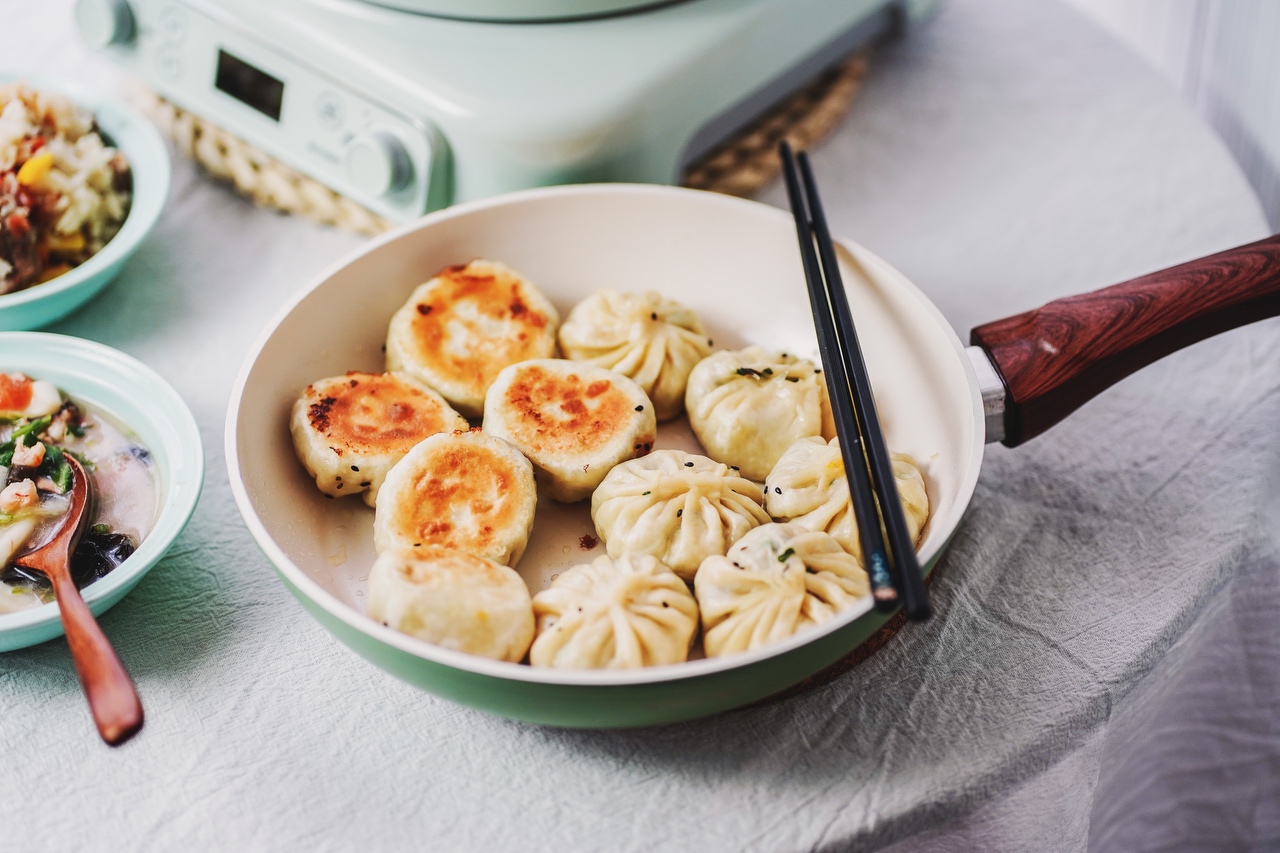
{"points": [[464, 490], [463, 326], [573, 421], [453, 599], [349, 430]]}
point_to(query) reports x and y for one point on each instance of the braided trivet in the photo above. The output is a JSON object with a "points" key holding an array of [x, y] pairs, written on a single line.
{"points": [[749, 160], [265, 180], [739, 167]]}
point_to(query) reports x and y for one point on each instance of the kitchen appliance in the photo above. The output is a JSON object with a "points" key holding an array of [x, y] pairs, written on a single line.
{"points": [[404, 106]]}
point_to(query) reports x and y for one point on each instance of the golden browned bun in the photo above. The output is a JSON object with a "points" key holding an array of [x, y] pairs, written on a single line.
{"points": [[350, 430], [463, 326], [572, 420], [464, 490]]}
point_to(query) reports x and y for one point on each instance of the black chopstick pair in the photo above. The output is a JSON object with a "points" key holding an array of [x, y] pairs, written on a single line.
{"points": [[888, 554]]}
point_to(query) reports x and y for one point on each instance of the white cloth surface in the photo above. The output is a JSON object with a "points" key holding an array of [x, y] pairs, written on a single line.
{"points": [[1102, 669]]}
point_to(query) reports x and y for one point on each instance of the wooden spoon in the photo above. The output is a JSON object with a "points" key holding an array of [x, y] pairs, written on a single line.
{"points": [[113, 700]]}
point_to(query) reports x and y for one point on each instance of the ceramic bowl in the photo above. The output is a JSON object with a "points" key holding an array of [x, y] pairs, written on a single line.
{"points": [[736, 263], [136, 397], [132, 134]]}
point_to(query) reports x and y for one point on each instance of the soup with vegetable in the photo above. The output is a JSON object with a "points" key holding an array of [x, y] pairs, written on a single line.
{"points": [[39, 426]]}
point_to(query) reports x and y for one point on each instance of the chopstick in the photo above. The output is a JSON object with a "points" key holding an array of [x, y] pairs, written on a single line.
{"points": [[867, 463]]}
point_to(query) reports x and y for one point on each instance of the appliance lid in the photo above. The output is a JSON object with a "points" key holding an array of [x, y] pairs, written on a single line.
{"points": [[521, 10]]}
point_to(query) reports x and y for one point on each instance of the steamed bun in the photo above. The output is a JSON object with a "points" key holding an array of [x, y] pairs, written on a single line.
{"points": [[654, 340], [747, 407], [614, 614], [678, 507], [775, 581], [808, 486]]}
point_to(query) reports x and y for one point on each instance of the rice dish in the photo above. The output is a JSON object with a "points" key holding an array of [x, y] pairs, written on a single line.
{"points": [[64, 192]]}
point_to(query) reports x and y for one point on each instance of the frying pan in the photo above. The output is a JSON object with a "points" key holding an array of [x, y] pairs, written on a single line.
{"points": [[736, 263]]}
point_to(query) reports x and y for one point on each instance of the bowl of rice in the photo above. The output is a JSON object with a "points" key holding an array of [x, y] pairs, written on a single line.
{"points": [[82, 181]]}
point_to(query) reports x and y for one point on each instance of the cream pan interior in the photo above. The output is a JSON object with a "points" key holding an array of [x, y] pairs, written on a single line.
{"points": [[735, 262]]}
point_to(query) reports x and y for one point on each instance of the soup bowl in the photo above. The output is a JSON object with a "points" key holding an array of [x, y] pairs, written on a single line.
{"points": [[140, 402]]}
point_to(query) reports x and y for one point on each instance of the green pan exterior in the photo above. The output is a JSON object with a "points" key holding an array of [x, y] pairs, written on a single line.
{"points": [[605, 706]]}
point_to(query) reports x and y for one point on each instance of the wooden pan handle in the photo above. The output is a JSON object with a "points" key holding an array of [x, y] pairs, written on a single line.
{"points": [[113, 700], [1056, 358]]}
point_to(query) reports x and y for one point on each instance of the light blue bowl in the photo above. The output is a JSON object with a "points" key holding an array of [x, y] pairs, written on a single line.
{"points": [[136, 397], [148, 158]]}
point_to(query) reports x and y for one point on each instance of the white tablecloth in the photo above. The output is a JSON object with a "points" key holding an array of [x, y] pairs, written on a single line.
{"points": [[1102, 670]]}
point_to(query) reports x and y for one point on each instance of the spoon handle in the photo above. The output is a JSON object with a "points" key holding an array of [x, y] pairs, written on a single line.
{"points": [[113, 700]]}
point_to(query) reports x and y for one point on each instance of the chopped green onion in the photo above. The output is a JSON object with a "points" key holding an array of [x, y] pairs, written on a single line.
{"points": [[32, 428], [786, 555]]}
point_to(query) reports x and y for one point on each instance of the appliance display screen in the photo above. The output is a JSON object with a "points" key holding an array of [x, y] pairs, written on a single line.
{"points": [[249, 85]]}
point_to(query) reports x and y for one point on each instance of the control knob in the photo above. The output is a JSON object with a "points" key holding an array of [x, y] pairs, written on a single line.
{"points": [[377, 163], [105, 22]]}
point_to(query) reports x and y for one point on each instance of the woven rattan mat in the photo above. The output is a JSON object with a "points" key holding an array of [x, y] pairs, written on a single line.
{"points": [[739, 167]]}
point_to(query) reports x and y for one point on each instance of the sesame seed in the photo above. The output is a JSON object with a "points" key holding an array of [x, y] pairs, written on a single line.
{"points": [[688, 464], [639, 408]]}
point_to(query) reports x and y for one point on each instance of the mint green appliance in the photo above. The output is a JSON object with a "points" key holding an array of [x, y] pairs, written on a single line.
{"points": [[410, 105]]}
